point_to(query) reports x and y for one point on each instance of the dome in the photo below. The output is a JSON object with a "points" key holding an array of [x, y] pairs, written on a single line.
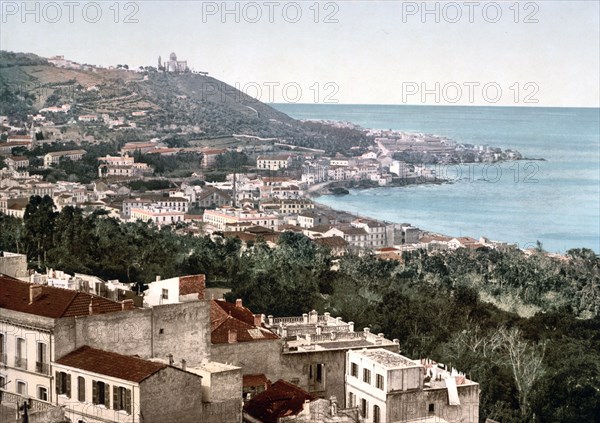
{"points": [[173, 56]]}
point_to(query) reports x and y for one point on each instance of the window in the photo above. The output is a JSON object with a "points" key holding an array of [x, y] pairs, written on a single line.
{"points": [[2, 348], [41, 364], [165, 294], [379, 381], [364, 408], [81, 389], [316, 376], [351, 400], [21, 387], [122, 399], [101, 393], [432, 408], [63, 384], [376, 414], [354, 369], [42, 393], [366, 376], [21, 355]]}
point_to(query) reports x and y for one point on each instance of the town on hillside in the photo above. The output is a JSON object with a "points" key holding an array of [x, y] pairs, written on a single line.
{"points": [[98, 170]]}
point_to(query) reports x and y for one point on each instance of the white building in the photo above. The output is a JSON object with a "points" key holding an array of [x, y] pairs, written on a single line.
{"points": [[101, 386], [274, 162], [174, 290], [158, 215], [27, 333], [56, 156], [220, 218], [180, 205], [388, 387]]}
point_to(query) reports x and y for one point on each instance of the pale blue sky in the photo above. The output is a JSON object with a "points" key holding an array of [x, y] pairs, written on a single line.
{"points": [[375, 53]]}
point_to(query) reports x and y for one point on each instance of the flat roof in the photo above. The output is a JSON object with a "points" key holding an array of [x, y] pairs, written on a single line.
{"points": [[388, 359]]}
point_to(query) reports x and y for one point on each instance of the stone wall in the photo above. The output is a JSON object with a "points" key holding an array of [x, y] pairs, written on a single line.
{"points": [[266, 357], [171, 395], [14, 265], [253, 357], [182, 330], [415, 404]]}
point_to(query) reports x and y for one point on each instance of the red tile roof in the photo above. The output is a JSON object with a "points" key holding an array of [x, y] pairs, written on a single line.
{"points": [[193, 284], [51, 302], [226, 317], [254, 380], [280, 400], [111, 364]]}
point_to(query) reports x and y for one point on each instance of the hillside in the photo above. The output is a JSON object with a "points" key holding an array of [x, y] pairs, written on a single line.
{"points": [[190, 105]]}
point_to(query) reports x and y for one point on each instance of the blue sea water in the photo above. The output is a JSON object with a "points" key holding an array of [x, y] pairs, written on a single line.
{"points": [[556, 201]]}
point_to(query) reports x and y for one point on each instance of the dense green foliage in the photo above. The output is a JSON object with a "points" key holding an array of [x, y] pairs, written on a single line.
{"points": [[544, 368]]}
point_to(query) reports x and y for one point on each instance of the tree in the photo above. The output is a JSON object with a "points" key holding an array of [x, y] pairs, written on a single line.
{"points": [[525, 361], [39, 222]]}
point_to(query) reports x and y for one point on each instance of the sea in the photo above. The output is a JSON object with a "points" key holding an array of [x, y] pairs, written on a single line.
{"points": [[555, 201]]}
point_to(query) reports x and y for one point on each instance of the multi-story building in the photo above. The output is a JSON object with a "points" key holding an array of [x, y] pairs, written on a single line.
{"points": [[286, 206], [121, 167], [220, 218], [28, 317], [55, 157], [174, 290], [17, 162], [388, 387], [310, 218], [212, 197], [101, 386], [157, 203], [277, 162], [160, 216]]}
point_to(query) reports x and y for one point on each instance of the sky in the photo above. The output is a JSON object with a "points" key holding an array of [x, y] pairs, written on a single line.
{"points": [[544, 53]]}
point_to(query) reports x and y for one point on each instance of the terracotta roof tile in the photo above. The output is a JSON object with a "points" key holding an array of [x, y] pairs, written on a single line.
{"points": [[226, 317], [254, 380], [111, 364], [193, 284], [280, 400], [51, 302]]}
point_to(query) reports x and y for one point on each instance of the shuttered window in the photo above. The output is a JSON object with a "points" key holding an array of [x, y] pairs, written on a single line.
{"points": [[122, 399], [63, 383], [81, 389], [101, 393]]}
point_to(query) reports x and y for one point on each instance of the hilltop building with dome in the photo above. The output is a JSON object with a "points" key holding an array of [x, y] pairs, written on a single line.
{"points": [[173, 65]]}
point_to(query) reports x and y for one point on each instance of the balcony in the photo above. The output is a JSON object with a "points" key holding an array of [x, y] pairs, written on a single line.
{"points": [[43, 368], [21, 362]]}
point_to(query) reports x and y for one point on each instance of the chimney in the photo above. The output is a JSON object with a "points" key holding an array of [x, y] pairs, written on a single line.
{"points": [[157, 278], [127, 305], [350, 326], [305, 318], [257, 320], [183, 364], [238, 303], [35, 291], [93, 307], [232, 336], [271, 320], [170, 357]]}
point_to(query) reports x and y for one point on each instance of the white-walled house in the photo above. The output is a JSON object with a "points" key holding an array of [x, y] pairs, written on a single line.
{"points": [[102, 386], [175, 290], [28, 316], [388, 387]]}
